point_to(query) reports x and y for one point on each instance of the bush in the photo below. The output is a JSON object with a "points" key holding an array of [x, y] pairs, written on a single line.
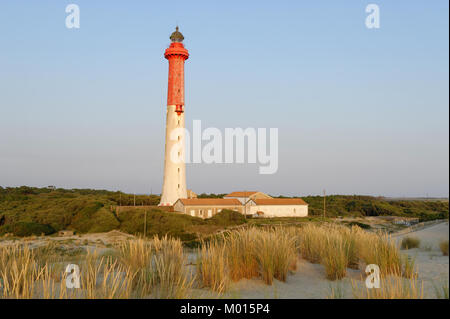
{"points": [[103, 221], [443, 245], [360, 225], [410, 242], [227, 218], [159, 223], [28, 229]]}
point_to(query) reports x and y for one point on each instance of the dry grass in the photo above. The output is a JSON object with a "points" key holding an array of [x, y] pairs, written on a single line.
{"points": [[311, 242], [212, 266], [276, 253], [410, 242], [171, 280], [241, 258], [247, 253], [335, 256], [18, 271], [443, 245], [157, 268], [391, 287], [142, 267], [339, 248], [381, 250], [441, 291]]}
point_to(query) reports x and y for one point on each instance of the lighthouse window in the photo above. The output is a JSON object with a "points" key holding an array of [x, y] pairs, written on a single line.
{"points": [[178, 169], [178, 185], [178, 137]]}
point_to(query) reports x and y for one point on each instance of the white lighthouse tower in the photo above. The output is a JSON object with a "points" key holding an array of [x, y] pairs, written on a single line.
{"points": [[174, 184]]}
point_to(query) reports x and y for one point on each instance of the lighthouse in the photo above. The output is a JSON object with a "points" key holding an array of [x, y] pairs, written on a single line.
{"points": [[174, 184]]}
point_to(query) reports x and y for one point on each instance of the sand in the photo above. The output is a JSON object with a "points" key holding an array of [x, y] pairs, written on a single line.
{"points": [[432, 266], [309, 281]]}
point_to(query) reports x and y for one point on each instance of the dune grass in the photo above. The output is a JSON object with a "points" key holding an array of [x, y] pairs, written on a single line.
{"points": [[140, 269], [394, 286], [441, 291], [158, 268], [212, 266], [339, 247], [266, 254], [410, 242], [443, 246]]}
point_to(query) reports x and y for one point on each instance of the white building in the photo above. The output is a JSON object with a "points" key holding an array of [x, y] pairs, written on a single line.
{"points": [[277, 207], [206, 207]]}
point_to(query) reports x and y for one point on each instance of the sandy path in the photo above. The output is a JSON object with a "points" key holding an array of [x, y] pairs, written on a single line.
{"points": [[432, 266]]}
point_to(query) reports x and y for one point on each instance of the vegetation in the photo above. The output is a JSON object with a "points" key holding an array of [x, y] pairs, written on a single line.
{"points": [[159, 268], [443, 245], [339, 248], [141, 269], [360, 206], [265, 253], [441, 291], [227, 218], [28, 211], [204, 195], [272, 253], [23, 229], [392, 287], [410, 242]]}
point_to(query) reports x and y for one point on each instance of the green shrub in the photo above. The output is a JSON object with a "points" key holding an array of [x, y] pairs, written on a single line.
{"points": [[22, 229], [84, 219], [103, 221], [159, 223], [410, 242], [227, 218], [360, 225]]}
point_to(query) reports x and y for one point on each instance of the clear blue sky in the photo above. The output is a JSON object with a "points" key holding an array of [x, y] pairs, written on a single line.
{"points": [[359, 111]]}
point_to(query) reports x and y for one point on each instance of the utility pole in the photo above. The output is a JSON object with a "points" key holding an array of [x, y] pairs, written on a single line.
{"points": [[120, 199], [134, 199], [324, 204]]}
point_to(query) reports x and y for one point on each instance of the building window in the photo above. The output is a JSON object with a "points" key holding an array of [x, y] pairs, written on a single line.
{"points": [[178, 185]]}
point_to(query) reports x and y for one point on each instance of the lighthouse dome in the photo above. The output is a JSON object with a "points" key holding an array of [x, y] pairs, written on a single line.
{"points": [[177, 36]]}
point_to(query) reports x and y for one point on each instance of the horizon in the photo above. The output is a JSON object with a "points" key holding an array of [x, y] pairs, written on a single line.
{"points": [[359, 111], [200, 193]]}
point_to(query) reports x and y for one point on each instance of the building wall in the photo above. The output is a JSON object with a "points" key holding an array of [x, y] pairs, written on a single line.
{"points": [[279, 210], [203, 211]]}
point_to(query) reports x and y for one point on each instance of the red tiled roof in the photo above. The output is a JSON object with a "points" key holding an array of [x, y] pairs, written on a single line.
{"points": [[240, 194], [210, 201], [279, 201]]}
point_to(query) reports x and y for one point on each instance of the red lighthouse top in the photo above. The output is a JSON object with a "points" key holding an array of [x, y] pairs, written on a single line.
{"points": [[176, 54]]}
